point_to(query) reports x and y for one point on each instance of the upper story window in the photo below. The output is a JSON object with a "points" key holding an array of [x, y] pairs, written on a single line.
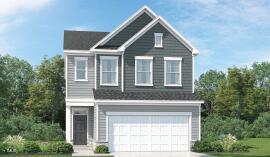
{"points": [[109, 70], [81, 68], [172, 70], [144, 71], [158, 40]]}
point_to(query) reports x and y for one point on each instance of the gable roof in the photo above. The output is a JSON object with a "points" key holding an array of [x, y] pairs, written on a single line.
{"points": [[81, 40], [137, 14], [165, 24]]}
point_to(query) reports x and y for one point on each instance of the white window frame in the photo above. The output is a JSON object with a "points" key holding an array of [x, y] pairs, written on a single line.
{"points": [[86, 68], [151, 69], [100, 70], [180, 71], [161, 42]]}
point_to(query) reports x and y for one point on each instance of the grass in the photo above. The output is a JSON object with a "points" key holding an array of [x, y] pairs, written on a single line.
{"points": [[260, 148], [22, 155]]}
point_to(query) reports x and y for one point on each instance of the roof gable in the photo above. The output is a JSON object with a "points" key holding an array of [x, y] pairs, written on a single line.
{"points": [[143, 10], [164, 23]]}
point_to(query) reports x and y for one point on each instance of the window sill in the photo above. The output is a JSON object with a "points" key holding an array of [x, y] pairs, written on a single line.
{"points": [[81, 80], [147, 85], [173, 85], [112, 85], [160, 47]]}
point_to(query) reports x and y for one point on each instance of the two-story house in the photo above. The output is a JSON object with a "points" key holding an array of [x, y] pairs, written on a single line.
{"points": [[133, 88]]}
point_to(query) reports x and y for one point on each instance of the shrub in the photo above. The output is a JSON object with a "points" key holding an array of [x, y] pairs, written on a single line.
{"points": [[31, 147], [227, 141], [14, 143], [215, 126], [102, 149], [202, 146], [216, 146], [60, 147], [239, 147], [261, 126], [45, 132], [3, 148]]}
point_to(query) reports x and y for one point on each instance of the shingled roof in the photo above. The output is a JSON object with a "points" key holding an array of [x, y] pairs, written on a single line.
{"points": [[81, 40], [151, 95]]}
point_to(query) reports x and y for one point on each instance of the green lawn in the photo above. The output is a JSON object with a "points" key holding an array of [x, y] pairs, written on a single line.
{"points": [[20, 155], [260, 148]]}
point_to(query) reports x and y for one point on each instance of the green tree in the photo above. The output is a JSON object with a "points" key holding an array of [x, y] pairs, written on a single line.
{"points": [[47, 92], [15, 76], [206, 87]]}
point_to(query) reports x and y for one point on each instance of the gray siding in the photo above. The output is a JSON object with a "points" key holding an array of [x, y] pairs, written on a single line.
{"points": [[119, 75], [193, 109], [144, 46], [80, 89], [130, 30]]}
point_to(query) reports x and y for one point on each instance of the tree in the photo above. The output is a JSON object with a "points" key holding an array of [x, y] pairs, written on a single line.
{"points": [[15, 76], [47, 92], [206, 87]]}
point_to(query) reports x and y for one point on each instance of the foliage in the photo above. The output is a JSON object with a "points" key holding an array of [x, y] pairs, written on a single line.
{"points": [[215, 126], [3, 148], [31, 147], [45, 132], [227, 141], [15, 76], [102, 149], [261, 126], [47, 92], [60, 147], [206, 87], [14, 143], [239, 147], [207, 146]]}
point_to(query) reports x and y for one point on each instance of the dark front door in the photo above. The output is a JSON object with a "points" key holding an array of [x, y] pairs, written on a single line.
{"points": [[80, 129]]}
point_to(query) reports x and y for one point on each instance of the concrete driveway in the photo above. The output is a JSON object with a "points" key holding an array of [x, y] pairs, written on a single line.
{"points": [[158, 154]]}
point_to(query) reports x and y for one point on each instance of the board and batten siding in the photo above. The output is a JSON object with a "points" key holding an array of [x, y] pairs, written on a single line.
{"points": [[130, 30], [119, 74], [165, 108], [144, 46], [80, 89]]}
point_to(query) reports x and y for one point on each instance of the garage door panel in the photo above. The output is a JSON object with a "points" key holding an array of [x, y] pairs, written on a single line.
{"points": [[148, 133]]}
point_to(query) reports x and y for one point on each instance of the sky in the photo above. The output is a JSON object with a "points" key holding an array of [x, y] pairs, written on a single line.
{"points": [[227, 33]]}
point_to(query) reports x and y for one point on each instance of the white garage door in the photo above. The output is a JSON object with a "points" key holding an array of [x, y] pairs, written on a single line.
{"points": [[148, 132]]}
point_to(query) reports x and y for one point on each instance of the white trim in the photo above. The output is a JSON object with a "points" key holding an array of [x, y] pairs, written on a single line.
{"points": [[107, 127], [86, 68], [150, 102], [122, 72], [86, 100], [200, 122], [180, 71], [76, 51], [168, 27], [116, 58], [161, 42], [190, 132], [104, 51], [142, 10], [193, 74], [95, 72], [66, 74], [97, 117], [151, 69], [149, 113]]}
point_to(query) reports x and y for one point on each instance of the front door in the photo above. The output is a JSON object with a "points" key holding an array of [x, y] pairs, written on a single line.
{"points": [[80, 129]]}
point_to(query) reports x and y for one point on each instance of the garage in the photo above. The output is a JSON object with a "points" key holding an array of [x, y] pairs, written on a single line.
{"points": [[148, 131]]}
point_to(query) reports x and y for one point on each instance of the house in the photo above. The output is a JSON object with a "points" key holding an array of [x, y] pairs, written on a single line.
{"points": [[132, 89]]}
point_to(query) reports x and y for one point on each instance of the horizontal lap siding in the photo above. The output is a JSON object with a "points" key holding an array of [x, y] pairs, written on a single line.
{"points": [[80, 89], [144, 46], [130, 30], [104, 109]]}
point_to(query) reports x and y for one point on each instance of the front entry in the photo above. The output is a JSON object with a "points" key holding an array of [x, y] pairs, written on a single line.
{"points": [[80, 129]]}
